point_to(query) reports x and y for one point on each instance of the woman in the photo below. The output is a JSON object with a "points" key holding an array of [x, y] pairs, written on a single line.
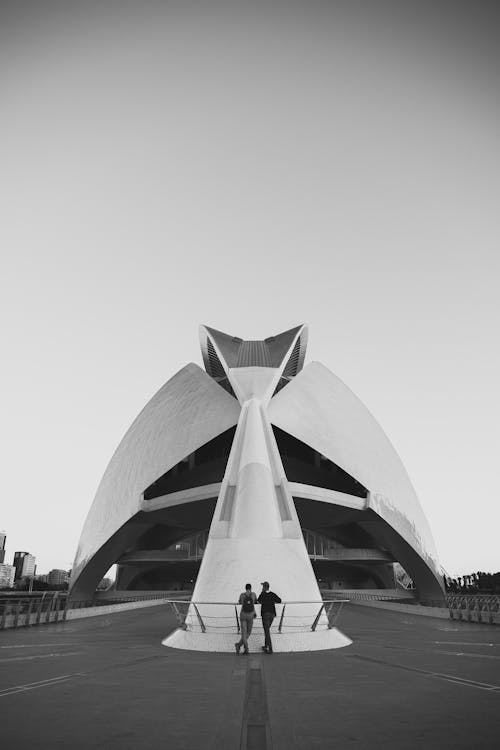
{"points": [[247, 614]]}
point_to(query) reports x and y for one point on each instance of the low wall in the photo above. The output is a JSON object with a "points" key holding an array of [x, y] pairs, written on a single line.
{"points": [[112, 594], [368, 594], [411, 609], [109, 609]]}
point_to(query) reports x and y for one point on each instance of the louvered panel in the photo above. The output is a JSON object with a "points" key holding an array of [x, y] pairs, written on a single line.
{"points": [[254, 354], [216, 369], [292, 365]]}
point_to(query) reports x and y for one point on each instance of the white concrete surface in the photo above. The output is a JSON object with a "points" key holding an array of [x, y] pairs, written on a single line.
{"points": [[255, 536], [320, 640]]}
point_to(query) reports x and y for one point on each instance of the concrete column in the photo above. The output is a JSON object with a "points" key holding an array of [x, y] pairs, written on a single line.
{"points": [[255, 536]]}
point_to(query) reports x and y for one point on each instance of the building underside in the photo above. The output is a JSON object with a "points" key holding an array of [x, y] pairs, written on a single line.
{"points": [[344, 543]]}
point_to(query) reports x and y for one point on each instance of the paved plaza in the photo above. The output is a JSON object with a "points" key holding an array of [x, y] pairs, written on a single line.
{"points": [[106, 682]]}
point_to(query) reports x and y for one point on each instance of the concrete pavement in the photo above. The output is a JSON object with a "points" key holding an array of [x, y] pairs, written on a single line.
{"points": [[107, 683]]}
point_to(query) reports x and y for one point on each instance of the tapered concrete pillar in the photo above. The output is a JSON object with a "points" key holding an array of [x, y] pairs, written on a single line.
{"points": [[255, 536]]}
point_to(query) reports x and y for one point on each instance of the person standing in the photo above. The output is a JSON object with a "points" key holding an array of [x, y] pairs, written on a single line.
{"points": [[267, 599], [247, 600]]}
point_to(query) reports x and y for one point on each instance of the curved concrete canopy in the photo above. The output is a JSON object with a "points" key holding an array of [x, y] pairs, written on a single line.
{"points": [[188, 411], [321, 411]]}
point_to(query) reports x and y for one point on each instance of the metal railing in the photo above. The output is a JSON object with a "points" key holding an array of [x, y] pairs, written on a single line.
{"points": [[481, 608], [478, 608], [32, 610], [207, 617], [50, 607]]}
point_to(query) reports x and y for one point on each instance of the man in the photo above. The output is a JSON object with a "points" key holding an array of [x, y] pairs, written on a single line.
{"points": [[247, 615], [267, 600]]}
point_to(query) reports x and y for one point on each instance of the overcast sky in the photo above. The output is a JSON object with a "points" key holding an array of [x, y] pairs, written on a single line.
{"points": [[250, 166]]}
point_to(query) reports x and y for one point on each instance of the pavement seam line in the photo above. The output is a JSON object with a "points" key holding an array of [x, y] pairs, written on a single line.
{"points": [[63, 678], [39, 656], [255, 730], [43, 645], [464, 643], [40, 684], [427, 673], [470, 655]]}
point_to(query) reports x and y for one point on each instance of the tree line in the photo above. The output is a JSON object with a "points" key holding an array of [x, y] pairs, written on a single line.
{"points": [[473, 583]]}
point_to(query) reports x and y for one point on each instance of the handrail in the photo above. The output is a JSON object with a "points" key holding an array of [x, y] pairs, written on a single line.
{"points": [[281, 618], [237, 604], [480, 608], [31, 610], [316, 619], [195, 619], [202, 624], [237, 618], [49, 607]]}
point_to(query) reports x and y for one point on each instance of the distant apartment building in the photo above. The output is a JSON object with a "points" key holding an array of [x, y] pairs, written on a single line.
{"points": [[57, 577], [3, 537], [7, 573], [25, 565]]}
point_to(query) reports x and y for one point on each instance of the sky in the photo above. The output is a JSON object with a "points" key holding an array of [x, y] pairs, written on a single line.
{"points": [[250, 166]]}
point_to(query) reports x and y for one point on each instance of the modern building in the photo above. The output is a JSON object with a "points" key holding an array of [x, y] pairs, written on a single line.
{"points": [[57, 577], [3, 539], [25, 565], [7, 573], [255, 468]]}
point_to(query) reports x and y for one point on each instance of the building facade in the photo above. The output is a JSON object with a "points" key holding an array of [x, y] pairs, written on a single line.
{"points": [[25, 565], [255, 464], [7, 573], [57, 577]]}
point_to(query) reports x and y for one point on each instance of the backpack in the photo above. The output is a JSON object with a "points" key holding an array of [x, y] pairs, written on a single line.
{"points": [[247, 604]]}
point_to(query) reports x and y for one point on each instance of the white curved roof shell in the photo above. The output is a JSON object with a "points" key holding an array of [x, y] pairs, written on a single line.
{"points": [[314, 406], [188, 411], [321, 411]]}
